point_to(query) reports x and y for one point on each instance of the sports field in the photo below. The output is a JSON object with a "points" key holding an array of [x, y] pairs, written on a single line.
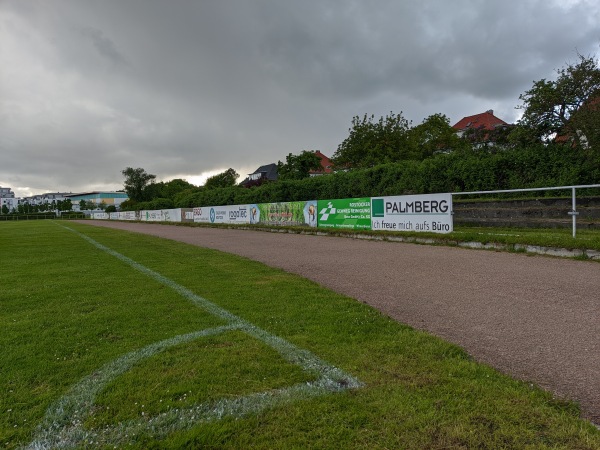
{"points": [[113, 339]]}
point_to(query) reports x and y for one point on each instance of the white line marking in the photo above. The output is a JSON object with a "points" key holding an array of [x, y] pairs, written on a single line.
{"points": [[62, 425]]}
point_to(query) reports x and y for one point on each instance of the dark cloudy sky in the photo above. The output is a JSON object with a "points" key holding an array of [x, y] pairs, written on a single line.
{"points": [[186, 88]]}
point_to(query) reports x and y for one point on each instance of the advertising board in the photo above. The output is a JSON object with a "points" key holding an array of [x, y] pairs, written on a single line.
{"points": [[221, 214], [100, 215], [151, 216], [350, 213], [284, 213], [201, 214], [162, 215], [429, 212], [127, 215]]}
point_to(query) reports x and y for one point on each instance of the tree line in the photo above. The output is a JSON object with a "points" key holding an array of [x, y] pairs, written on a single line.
{"points": [[556, 142]]}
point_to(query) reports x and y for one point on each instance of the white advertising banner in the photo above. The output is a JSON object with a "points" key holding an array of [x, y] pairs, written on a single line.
{"points": [[151, 216], [127, 215], [161, 215], [429, 212], [114, 216], [171, 215], [201, 214], [222, 214], [100, 215]]}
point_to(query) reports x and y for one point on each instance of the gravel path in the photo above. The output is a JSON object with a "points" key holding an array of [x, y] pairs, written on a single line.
{"points": [[536, 318]]}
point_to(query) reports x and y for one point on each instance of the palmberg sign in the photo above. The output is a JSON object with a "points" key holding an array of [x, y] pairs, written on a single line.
{"points": [[430, 212]]}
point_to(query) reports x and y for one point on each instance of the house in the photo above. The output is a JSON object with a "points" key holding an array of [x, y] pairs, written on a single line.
{"points": [[484, 122], [326, 165], [7, 199], [582, 127], [261, 175], [44, 199]]}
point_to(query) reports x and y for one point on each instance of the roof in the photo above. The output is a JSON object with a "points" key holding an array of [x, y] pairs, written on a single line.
{"points": [[485, 121], [267, 172], [99, 194], [326, 164]]}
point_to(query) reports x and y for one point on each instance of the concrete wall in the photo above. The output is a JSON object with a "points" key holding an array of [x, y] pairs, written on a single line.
{"points": [[538, 213]]}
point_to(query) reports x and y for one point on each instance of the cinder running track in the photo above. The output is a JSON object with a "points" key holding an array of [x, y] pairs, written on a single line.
{"points": [[536, 318]]}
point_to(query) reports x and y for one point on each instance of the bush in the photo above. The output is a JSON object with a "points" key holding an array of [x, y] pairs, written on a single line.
{"points": [[461, 171]]}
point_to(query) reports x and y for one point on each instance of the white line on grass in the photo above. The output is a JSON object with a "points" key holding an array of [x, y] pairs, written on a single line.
{"points": [[62, 426]]}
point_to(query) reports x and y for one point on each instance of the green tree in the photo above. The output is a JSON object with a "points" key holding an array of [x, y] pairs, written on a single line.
{"points": [[297, 167], [566, 109], [129, 205], [222, 180], [87, 205], [371, 143], [67, 205], [110, 209], [435, 135], [174, 187], [5, 209], [136, 183]]}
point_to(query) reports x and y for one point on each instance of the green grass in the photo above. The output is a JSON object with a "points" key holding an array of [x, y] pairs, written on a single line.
{"points": [[561, 238], [67, 309], [586, 239]]}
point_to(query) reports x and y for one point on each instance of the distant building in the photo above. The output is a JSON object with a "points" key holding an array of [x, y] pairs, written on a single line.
{"points": [[7, 198], [486, 121], [261, 175], [568, 135], [326, 165], [483, 130], [98, 198], [44, 199]]}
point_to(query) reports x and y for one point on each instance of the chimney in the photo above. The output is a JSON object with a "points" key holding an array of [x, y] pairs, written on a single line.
{"points": [[490, 111]]}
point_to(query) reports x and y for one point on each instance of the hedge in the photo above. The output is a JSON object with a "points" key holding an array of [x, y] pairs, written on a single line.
{"points": [[518, 168]]}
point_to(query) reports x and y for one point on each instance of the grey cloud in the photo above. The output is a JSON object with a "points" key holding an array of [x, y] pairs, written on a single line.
{"points": [[187, 87], [104, 46]]}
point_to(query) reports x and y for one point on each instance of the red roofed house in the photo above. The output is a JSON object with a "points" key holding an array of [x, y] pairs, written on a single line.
{"points": [[486, 121], [591, 106], [326, 165]]}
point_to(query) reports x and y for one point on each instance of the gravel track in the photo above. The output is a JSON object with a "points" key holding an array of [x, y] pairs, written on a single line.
{"points": [[536, 318]]}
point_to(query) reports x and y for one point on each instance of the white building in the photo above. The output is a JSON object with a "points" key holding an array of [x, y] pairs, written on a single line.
{"points": [[43, 199], [7, 198]]}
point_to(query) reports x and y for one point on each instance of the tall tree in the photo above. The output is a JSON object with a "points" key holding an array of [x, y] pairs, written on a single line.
{"points": [[175, 186], [566, 109], [373, 142], [136, 181], [435, 135], [223, 179], [297, 167]]}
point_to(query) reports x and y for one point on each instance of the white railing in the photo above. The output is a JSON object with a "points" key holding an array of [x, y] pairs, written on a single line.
{"points": [[573, 213]]}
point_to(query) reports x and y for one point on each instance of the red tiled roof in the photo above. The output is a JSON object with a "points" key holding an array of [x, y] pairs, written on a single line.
{"points": [[326, 164], [485, 121]]}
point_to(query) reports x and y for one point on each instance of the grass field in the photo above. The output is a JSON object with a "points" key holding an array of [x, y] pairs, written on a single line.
{"points": [[112, 339]]}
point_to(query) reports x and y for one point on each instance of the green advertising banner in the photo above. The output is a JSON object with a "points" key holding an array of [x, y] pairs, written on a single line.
{"points": [[285, 213], [352, 213]]}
